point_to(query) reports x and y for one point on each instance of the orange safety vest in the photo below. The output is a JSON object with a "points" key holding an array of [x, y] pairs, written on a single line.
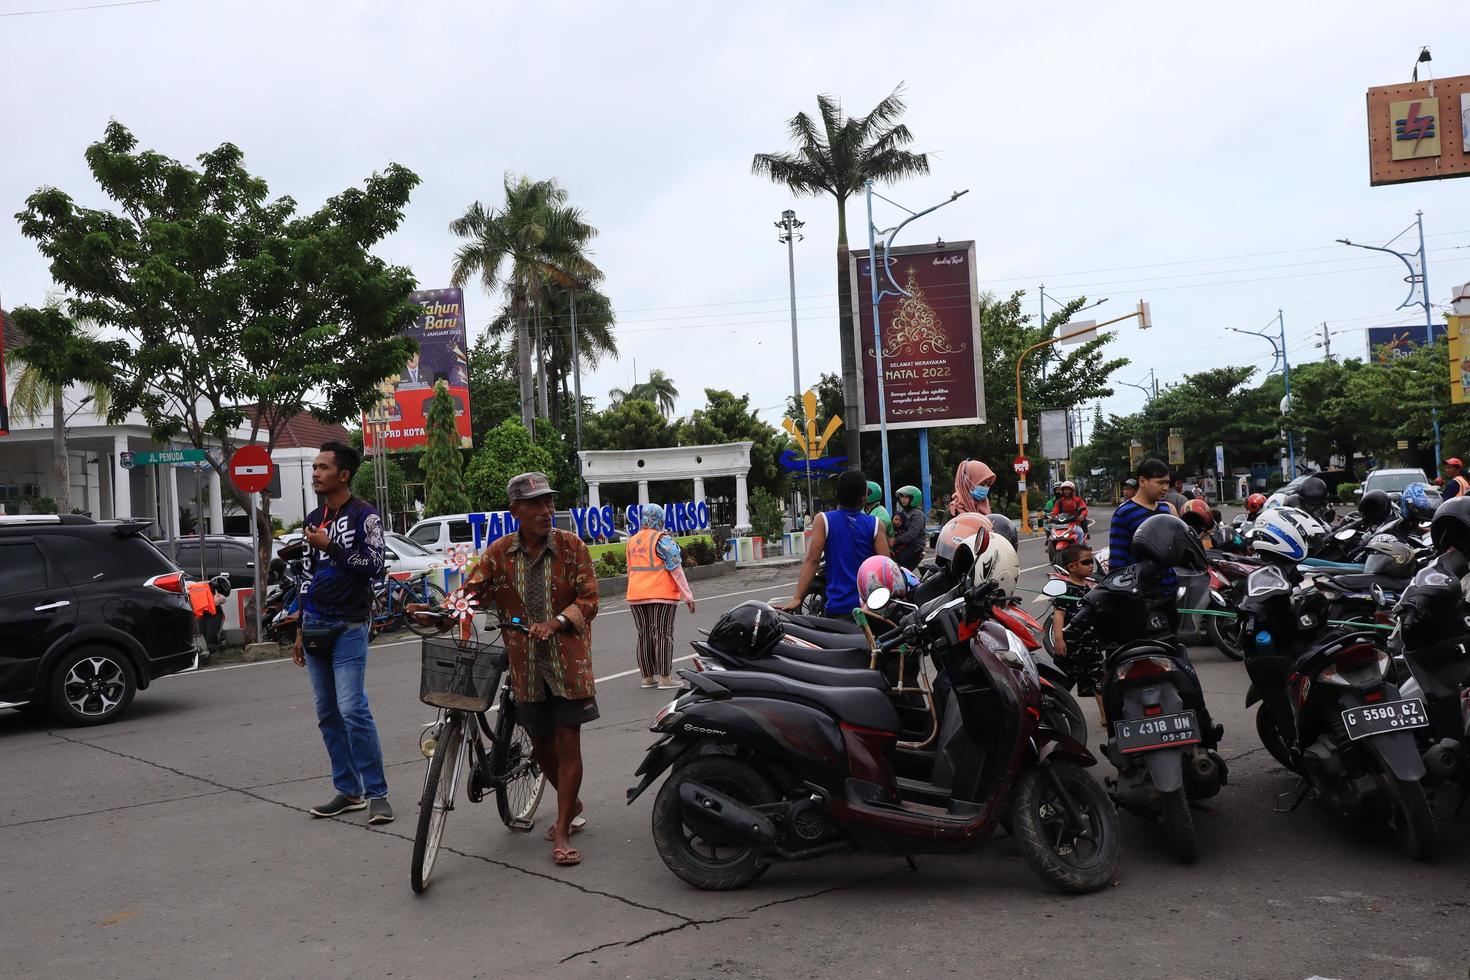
{"points": [[1464, 486], [201, 599], [647, 577]]}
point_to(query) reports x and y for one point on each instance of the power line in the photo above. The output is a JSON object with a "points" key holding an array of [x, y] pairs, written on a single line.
{"points": [[67, 10]]}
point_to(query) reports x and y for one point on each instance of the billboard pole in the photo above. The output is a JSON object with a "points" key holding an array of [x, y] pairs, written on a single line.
{"points": [[577, 393], [887, 236]]}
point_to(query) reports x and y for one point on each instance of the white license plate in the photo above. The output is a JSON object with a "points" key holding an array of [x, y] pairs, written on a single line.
{"points": [[1367, 720]]}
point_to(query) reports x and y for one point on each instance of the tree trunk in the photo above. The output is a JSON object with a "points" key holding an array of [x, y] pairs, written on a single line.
{"points": [[523, 359], [58, 448], [543, 396]]}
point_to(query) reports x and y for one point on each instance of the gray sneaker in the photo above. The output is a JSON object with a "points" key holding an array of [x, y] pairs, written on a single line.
{"points": [[379, 811], [337, 806]]}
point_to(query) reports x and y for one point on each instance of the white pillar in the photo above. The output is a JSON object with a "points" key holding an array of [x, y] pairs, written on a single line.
{"points": [[643, 491], [171, 500], [742, 504], [594, 494], [122, 480], [105, 481], [698, 489], [216, 504]]}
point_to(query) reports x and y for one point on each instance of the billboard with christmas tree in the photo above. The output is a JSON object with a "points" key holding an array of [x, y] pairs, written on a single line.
{"points": [[930, 337]]}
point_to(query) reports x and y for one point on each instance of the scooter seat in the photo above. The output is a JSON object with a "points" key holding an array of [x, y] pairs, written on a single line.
{"points": [[825, 624], [863, 706], [1364, 582], [847, 658], [827, 640], [809, 673]]}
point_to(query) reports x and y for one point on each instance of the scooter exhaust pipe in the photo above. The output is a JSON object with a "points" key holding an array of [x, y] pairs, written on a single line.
{"points": [[1442, 760], [711, 808]]}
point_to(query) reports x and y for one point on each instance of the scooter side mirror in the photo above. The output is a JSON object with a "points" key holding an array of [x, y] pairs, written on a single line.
{"points": [[1054, 588], [878, 598]]}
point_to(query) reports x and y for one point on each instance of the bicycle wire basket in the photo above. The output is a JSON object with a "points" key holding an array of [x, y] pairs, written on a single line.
{"points": [[462, 675]]}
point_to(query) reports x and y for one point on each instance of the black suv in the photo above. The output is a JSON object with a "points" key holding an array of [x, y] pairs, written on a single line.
{"points": [[89, 613]]}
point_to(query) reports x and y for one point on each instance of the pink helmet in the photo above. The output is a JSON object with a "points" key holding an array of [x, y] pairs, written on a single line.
{"points": [[881, 572]]}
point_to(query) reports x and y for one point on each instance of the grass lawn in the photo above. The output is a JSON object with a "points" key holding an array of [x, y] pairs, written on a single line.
{"points": [[598, 550]]}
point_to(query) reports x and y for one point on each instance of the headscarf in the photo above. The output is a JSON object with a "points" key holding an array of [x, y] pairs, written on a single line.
{"points": [[651, 518], [967, 476]]}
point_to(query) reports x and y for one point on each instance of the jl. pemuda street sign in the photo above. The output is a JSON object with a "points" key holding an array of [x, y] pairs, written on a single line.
{"points": [[164, 457]]}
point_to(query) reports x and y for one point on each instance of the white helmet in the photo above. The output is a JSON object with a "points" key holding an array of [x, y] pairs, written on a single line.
{"points": [[1311, 527], [998, 563], [1279, 532]]}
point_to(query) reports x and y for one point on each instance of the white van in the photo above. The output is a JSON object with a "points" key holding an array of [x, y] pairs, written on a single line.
{"points": [[439, 534]]}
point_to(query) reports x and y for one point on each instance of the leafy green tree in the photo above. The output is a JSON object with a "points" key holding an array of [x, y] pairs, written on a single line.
{"points": [[364, 488], [631, 424], [834, 154], [726, 418], [507, 450], [563, 470], [595, 340], [443, 468], [529, 243], [1210, 408], [658, 389], [766, 515], [210, 299], [494, 393]]}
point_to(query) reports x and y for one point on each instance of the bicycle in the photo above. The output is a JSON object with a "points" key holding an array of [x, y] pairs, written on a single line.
{"points": [[462, 678], [391, 597]]}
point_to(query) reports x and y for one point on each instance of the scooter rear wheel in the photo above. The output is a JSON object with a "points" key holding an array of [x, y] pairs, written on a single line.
{"points": [[1179, 826], [1074, 859], [1410, 818], [704, 863], [1272, 740]]}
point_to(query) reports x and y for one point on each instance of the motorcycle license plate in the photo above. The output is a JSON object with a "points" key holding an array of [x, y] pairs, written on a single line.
{"points": [[1391, 716], [1158, 732]]}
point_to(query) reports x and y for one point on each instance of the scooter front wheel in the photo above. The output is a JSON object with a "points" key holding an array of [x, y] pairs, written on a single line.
{"points": [[1066, 827], [701, 856]]}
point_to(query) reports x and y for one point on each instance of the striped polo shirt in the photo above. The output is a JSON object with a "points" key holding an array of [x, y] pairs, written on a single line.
{"points": [[1126, 520]]}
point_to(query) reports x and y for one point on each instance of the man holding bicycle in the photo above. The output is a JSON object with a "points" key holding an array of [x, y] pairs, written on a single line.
{"points": [[543, 576]]}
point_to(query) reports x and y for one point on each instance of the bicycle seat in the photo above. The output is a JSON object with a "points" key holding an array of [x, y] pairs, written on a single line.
{"points": [[863, 706]]}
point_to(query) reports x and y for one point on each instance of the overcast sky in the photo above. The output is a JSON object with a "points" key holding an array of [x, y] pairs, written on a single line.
{"points": [[1204, 159]]}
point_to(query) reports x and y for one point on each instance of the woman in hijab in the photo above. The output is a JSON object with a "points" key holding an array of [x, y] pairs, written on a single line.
{"points": [[972, 483], [656, 586]]}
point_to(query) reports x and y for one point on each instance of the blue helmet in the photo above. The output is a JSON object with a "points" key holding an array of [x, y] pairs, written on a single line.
{"points": [[1418, 502]]}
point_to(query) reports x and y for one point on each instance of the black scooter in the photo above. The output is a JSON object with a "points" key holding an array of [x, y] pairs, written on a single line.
{"points": [[1433, 637], [767, 768], [1331, 712], [1163, 741]]}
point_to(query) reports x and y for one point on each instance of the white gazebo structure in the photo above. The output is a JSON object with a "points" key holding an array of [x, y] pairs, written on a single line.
{"points": [[697, 463]]}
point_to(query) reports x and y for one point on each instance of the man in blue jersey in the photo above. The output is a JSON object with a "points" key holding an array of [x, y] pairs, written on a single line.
{"points": [[1153, 483], [844, 537]]}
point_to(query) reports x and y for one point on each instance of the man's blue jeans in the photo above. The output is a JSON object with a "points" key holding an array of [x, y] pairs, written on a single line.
{"points": [[343, 716]]}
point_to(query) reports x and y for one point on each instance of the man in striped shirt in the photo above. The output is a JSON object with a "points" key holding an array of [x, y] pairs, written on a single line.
{"points": [[1153, 483]]}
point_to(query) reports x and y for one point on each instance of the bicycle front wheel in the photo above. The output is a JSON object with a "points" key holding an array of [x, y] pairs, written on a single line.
{"points": [[519, 782], [437, 801], [432, 594]]}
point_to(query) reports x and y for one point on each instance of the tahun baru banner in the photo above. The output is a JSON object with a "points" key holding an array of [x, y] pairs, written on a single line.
{"points": [[932, 374], [442, 356]]}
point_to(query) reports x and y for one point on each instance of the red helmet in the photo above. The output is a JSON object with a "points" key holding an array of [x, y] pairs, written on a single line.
{"points": [[1254, 503], [1197, 514]]}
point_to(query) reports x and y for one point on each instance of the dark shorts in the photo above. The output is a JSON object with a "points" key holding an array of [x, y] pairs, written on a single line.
{"points": [[539, 717]]}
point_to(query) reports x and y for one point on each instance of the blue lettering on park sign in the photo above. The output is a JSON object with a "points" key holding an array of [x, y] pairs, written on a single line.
{"points": [[594, 522]]}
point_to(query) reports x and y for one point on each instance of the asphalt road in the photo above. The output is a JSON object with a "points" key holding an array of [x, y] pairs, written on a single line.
{"points": [[177, 841]]}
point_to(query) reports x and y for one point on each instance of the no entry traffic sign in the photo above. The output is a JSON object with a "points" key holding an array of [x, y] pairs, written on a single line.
{"points": [[251, 469]]}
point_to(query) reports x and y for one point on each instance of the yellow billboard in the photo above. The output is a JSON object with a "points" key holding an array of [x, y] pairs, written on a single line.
{"points": [[1459, 359]]}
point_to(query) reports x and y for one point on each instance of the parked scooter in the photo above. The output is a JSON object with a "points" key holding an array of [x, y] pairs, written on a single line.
{"points": [[1163, 741], [765, 768]]}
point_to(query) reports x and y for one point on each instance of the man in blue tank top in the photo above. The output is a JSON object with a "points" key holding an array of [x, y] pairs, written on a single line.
{"points": [[844, 538]]}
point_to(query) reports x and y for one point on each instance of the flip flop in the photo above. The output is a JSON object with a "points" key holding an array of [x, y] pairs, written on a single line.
{"points": [[566, 856], [578, 822]]}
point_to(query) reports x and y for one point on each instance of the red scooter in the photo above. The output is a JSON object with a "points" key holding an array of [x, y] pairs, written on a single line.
{"points": [[766, 768]]}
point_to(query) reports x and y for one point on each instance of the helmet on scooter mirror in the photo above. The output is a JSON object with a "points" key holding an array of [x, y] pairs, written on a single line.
{"points": [[1419, 501], [1255, 503], [1167, 540], [879, 572], [751, 629], [1387, 555], [961, 541], [1004, 527], [998, 563], [1278, 534], [1451, 526], [1313, 531], [1313, 491], [1197, 515], [1375, 508]]}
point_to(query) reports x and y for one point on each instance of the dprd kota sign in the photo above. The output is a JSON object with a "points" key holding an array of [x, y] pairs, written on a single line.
{"points": [[931, 338], [441, 336]]}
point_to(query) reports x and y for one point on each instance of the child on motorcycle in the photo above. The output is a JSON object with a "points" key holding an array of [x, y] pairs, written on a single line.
{"points": [[1083, 667]]}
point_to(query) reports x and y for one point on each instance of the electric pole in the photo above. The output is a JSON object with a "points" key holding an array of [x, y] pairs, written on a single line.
{"points": [[1326, 340], [790, 235]]}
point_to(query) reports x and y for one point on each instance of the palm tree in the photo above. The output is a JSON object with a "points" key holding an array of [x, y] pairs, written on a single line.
{"points": [[835, 158], [34, 394], [595, 340], [534, 240], [659, 389]]}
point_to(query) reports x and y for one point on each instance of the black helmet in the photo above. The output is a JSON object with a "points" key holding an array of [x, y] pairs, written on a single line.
{"points": [[752, 629], [1451, 525], [1169, 541], [1375, 508], [1313, 491], [1001, 524]]}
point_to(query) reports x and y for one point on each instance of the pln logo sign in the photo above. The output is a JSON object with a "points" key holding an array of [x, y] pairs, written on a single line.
{"points": [[1415, 128]]}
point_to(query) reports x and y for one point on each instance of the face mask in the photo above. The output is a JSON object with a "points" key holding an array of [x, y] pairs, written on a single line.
{"points": [[980, 493]]}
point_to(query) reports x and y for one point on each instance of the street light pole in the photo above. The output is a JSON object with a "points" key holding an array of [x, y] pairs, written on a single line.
{"points": [[1416, 277], [1279, 349], [887, 235], [790, 234]]}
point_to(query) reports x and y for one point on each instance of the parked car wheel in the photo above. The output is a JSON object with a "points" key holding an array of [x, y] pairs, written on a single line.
{"points": [[92, 685]]}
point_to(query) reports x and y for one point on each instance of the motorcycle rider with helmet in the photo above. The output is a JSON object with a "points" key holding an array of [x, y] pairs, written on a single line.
{"points": [[843, 538], [1068, 501], [909, 527], [874, 506]]}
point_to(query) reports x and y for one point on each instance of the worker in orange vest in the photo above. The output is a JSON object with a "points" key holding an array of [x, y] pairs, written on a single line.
{"points": [[1455, 484], [656, 586]]}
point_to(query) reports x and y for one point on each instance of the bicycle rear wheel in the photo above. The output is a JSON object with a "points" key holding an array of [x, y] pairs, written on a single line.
{"points": [[437, 801], [432, 594], [519, 782]]}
